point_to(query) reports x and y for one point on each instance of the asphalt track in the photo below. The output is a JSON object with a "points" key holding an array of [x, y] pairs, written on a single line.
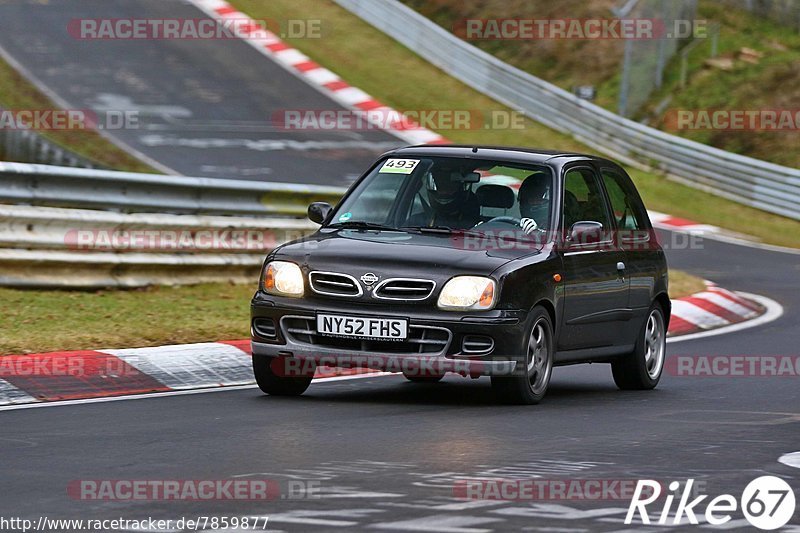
{"points": [[385, 454], [204, 107]]}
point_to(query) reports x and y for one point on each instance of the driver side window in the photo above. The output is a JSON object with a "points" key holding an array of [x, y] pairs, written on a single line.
{"points": [[583, 199]]}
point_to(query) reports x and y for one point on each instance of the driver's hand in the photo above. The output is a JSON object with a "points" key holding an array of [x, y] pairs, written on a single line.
{"points": [[528, 225]]}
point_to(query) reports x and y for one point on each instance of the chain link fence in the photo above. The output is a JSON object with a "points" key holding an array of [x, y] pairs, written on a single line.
{"points": [[645, 60]]}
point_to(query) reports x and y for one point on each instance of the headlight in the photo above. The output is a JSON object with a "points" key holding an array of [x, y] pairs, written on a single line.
{"points": [[283, 278], [464, 293]]}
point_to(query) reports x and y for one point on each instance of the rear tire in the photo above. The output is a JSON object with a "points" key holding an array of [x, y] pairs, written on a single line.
{"points": [[273, 384], [642, 368], [534, 368]]}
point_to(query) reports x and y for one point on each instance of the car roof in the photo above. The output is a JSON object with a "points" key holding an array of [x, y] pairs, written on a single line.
{"points": [[502, 153]]}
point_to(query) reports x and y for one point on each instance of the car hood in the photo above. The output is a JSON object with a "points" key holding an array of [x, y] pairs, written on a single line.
{"points": [[391, 253]]}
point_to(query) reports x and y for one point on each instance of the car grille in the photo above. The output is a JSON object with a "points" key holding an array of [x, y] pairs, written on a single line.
{"points": [[421, 339], [334, 284], [404, 289]]}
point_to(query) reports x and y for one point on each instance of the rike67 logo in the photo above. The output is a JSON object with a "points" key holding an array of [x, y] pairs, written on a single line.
{"points": [[767, 503]]}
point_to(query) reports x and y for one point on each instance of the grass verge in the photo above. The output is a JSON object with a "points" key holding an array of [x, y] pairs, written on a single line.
{"points": [[40, 320], [17, 93], [44, 321], [683, 284], [370, 60]]}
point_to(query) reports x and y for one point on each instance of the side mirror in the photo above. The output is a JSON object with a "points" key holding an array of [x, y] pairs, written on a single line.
{"points": [[319, 211], [585, 232]]}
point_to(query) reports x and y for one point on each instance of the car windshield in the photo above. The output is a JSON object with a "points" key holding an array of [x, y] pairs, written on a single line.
{"points": [[451, 194]]}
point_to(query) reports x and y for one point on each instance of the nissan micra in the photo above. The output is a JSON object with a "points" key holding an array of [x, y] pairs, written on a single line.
{"points": [[481, 261]]}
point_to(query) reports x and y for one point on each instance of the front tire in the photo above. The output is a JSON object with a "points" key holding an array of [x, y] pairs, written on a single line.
{"points": [[532, 374], [270, 382], [642, 368]]}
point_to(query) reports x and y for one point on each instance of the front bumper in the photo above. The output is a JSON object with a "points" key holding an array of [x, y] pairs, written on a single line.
{"points": [[438, 346]]}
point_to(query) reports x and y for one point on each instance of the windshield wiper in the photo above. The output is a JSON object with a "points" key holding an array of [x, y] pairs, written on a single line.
{"points": [[443, 230], [360, 224], [473, 232]]}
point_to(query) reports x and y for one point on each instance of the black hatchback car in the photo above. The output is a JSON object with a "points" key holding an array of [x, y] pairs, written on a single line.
{"points": [[491, 261]]}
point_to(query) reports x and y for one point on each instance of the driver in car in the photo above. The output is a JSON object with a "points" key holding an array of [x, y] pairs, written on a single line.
{"points": [[452, 202], [534, 203]]}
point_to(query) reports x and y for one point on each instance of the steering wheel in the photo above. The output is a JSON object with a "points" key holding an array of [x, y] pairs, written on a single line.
{"points": [[506, 219], [528, 225]]}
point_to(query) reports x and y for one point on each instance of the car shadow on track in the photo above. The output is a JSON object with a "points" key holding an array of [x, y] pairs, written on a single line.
{"points": [[453, 391]]}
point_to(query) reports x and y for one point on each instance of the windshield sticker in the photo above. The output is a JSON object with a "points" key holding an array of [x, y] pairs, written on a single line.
{"points": [[399, 166], [345, 217]]}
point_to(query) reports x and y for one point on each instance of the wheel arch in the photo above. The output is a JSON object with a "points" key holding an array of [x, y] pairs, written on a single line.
{"points": [[551, 311], [666, 304]]}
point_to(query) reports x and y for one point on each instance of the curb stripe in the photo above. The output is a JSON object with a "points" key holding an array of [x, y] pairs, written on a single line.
{"points": [[189, 366], [312, 73], [679, 326], [306, 66], [736, 307], [711, 307], [369, 105], [9, 394], [243, 345], [669, 222], [72, 375], [679, 222], [697, 316], [728, 295], [336, 85]]}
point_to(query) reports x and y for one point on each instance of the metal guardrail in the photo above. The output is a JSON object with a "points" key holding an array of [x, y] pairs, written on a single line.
{"points": [[130, 230], [82, 248], [46, 185], [84, 230], [28, 146], [747, 180]]}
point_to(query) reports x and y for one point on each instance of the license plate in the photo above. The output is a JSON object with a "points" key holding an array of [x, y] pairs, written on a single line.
{"points": [[362, 327]]}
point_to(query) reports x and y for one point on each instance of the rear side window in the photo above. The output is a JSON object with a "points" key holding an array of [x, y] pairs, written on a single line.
{"points": [[583, 199], [625, 204]]}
